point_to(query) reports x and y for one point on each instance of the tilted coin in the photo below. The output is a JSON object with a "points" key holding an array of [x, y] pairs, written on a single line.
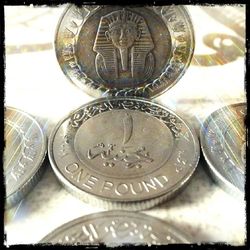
{"points": [[123, 153], [124, 50], [116, 228], [25, 150], [223, 142]]}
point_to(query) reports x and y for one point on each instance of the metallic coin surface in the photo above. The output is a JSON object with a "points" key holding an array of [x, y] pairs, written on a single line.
{"points": [[116, 228], [123, 153], [124, 50], [25, 150], [223, 142]]}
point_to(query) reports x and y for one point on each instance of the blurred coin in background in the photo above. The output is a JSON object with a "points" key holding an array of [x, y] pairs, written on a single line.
{"points": [[116, 228], [24, 153], [223, 142]]}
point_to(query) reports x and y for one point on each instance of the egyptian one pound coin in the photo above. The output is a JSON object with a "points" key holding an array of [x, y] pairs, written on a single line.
{"points": [[123, 153], [25, 150], [116, 228], [223, 141], [124, 51]]}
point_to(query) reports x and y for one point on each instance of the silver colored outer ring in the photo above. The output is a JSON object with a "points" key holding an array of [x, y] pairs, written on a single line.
{"points": [[99, 90], [215, 174], [106, 203], [33, 176], [162, 226]]}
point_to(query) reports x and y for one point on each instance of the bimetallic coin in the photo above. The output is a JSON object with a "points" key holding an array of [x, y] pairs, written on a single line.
{"points": [[124, 50], [123, 153], [116, 228], [25, 150], [223, 142]]}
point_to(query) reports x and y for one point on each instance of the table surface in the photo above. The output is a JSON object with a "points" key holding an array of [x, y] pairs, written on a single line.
{"points": [[36, 84]]}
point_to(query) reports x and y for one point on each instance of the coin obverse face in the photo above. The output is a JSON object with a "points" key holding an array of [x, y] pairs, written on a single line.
{"points": [[131, 153], [25, 150], [223, 141], [116, 228], [124, 51]]}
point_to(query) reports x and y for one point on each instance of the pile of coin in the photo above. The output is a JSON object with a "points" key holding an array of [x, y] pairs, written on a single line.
{"points": [[123, 151]]}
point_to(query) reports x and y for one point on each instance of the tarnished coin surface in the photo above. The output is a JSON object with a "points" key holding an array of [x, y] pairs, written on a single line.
{"points": [[116, 228], [124, 50], [25, 150], [223, 142], [123, 153]]}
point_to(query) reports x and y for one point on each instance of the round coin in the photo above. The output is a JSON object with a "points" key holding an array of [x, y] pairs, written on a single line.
{"points": [[115, 228], [123, 153], [223, 142], [124, 50], [25, 150]]}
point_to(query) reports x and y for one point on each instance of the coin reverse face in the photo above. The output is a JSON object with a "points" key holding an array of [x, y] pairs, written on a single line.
{"points": [[124, 50], [116, 228], [25, 150], [223, 141], [130, 153]]}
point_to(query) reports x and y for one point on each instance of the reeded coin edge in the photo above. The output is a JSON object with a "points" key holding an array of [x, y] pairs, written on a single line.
{"points": [[14, 198], [139, 215], [113, 202], [34, 176], [225, 184]]}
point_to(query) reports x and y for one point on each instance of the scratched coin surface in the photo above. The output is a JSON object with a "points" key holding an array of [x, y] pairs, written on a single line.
{"points": [[223, 141], [116, 228], [123, 153], [25, 150], [124, 50]]}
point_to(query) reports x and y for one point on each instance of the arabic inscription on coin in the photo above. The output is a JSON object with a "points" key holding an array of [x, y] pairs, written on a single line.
{"points": [[123, 150], [116, 228]]}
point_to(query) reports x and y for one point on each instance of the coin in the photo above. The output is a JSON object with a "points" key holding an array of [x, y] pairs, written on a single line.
{"points": [[25, 150], [115, 228], [124, 50], [223, 142], [123, 153]]}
